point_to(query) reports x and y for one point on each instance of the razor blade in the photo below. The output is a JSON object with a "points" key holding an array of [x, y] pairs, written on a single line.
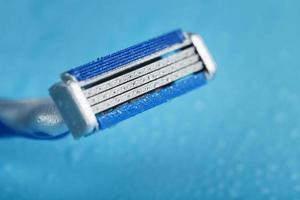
{"points": [[113, 88]]}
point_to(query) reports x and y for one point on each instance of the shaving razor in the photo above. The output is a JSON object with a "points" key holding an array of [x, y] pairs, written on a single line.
{"points": [[101, 93]]}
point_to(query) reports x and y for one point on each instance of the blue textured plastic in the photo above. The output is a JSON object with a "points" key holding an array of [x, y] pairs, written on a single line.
{"points": [[127, 55], [150, 100]]}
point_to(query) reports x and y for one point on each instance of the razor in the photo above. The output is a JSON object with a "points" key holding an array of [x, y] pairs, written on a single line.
{"points": [[108, 90]]}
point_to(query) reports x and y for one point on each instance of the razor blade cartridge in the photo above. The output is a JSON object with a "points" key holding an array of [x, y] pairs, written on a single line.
{"points": [[102, 93]]}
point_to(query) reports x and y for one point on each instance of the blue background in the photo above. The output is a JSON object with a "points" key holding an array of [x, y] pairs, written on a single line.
{"points": [[236, 138]]}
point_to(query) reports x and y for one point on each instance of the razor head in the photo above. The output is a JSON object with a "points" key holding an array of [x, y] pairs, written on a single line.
{"points": [[102, 93]]}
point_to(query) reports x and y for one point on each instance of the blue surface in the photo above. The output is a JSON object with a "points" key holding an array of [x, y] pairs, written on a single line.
{"points": [[127, 55], [236, 138], [150, 100]]}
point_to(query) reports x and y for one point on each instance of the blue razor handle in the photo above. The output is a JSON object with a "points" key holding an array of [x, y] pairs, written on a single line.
{"points": [[113, 88]]}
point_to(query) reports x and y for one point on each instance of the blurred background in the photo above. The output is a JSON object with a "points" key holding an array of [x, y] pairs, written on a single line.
{"points": [[236, 138]]}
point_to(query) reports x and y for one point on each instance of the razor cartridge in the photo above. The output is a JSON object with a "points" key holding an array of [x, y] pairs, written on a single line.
{"points": [[102, 93]]}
